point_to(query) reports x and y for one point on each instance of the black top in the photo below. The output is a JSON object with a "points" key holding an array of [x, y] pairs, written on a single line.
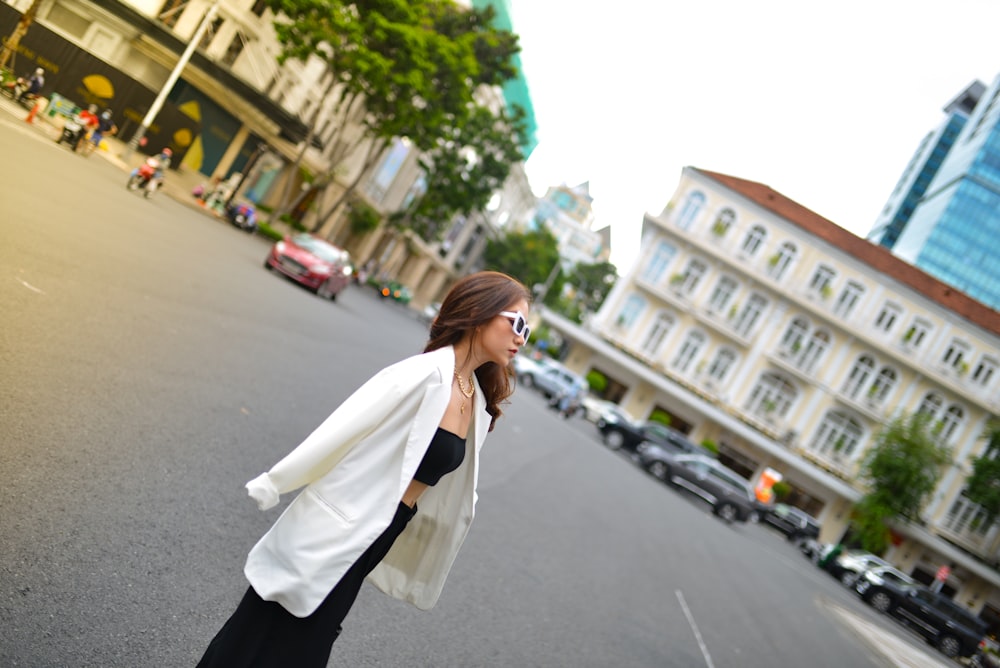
{"points": [[444, 455]]}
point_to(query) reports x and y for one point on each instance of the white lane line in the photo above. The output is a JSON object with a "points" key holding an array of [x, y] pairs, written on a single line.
{"points": [[30, 287], [694, 628]]}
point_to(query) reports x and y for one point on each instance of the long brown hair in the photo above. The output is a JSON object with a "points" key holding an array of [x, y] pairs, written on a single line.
{"points": [[473, 301]]}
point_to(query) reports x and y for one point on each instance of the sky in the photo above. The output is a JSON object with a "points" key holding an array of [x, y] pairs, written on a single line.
{"points": [[824, 102]]}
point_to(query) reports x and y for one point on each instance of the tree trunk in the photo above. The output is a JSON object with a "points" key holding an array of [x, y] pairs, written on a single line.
{"points": [[20, 30]]}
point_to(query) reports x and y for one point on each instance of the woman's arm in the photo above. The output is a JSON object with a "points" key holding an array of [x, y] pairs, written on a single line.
{"points": [[324, 447]]}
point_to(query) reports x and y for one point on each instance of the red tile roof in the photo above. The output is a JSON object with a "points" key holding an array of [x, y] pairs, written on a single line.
{"points": [[875, 256]]}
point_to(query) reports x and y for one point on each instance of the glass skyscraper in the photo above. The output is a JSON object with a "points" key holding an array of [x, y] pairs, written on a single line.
{"points": [[944, 214]]}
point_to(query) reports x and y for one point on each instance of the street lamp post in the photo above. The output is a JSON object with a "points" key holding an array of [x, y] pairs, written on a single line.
{"points": [[175, 74]]}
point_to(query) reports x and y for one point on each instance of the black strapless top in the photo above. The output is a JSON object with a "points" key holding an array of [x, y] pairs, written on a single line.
{"points": [[444, 455]]}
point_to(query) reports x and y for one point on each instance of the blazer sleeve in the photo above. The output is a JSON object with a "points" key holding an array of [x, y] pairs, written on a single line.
{"points": [[324, 447]]}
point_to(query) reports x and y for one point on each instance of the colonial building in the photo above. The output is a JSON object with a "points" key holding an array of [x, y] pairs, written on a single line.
{"points": [[568, 213], [788, 341]]}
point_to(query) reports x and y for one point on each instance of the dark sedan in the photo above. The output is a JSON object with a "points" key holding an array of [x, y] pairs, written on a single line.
{"points": [[731, 496], [619, 432], [313, 263], [796, 524]]}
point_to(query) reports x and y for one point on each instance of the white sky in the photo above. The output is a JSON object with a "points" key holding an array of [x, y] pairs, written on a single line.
{"points": [[825, 102]]}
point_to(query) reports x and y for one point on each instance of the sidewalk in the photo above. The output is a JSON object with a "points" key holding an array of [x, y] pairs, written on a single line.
{"points": [[178, 184], [898, 652]]}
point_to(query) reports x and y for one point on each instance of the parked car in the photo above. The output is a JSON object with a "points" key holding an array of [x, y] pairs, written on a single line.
{"points": [[852, 563], [595, 409], [311, 262], [731, 496], [550, 378], [395, 291], [878, 575], [621, 432], [954, 630], [795, 523]]}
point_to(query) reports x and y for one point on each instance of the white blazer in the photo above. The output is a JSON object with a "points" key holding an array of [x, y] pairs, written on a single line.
{"points": [[356, 467]]}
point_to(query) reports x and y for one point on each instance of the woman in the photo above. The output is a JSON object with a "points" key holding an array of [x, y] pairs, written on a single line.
{"points": [[413, 432]]}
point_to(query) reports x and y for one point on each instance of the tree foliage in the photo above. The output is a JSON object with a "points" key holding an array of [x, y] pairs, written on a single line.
{"points": [[901, 470], [463, 170], [590, 284], [527, 256], [983, 486], [399, 68]]}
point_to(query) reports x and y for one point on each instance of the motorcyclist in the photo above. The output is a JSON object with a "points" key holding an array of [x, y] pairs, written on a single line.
{"points": [[34, 85], [163, 162], [104, 126]]}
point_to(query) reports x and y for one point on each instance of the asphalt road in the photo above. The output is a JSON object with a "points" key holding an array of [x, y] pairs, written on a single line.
{"points": [[151, 366]]}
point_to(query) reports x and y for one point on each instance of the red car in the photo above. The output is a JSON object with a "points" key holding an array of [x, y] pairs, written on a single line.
{"points": [[313, 263]]}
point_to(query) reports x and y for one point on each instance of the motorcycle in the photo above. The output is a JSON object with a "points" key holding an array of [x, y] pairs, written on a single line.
{"points": [[242, 216], [144, 177], [17, 90], [72, 132]]}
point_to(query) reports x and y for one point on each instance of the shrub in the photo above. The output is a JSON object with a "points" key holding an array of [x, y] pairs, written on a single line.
{"points": [[660, 416], [266, 230], [597, 381]]}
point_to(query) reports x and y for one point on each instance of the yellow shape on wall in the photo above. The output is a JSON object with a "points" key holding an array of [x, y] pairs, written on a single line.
{"points": [[99, 86]]}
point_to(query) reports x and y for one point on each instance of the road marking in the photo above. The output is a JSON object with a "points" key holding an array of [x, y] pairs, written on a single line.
{"points": [[694, 628], [30, 286]]}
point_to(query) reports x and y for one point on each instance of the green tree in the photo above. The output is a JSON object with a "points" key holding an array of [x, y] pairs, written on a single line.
{"points": [[397, 68], [900, 470], [527, 256], [590, 286], [463, 170], [983, 486]]}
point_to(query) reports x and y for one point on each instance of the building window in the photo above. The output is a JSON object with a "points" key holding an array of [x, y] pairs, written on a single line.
{"points": [[930, 405], [838, 436], [234, 50], [887, 317], [661, 258], [633, 307], [882, 386], [860, 373], [822, 281], [966, 516], [258, 8], [387, 170], [721, 364], [791, 340], [771, 397], [689, 350], [848, 299], [813, 350], [722, 294], [778, 263], [723, 222], [954, 355], [916, 334], [984, 371], [654, 339], [748, 317], [213, 30], [692, 207], [688, 280], [950, 422], [754, 240]]}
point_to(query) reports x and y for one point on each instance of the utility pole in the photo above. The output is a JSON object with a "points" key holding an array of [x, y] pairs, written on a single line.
{"points": [[175, 74]]}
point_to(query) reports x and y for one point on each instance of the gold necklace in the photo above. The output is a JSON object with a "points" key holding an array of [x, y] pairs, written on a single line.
{"points": [[461, 388]]}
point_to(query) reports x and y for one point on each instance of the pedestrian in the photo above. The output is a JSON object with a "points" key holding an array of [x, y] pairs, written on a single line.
{"points": [[411, 433]]}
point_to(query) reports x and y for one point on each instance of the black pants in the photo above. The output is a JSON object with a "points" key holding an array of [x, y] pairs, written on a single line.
{"points": [[262, 633]]}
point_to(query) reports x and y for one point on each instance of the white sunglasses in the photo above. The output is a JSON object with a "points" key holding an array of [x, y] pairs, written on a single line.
{"points": [[518, 323]]}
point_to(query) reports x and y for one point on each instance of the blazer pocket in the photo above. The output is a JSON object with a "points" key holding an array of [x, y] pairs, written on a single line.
{"points": [[342, 515]]}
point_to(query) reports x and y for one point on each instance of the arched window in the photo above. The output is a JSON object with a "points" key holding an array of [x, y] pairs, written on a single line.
{"points": [[781, 260], [771, 396], [793, 337], [884, 382], [748, 317], [813, 349], [930, 405], [950, 422], [692, 207], [689, 350], [663, 254], [654, 339], [633, 307], [862, 370], [723, 222], [721, 364], [838, 436], [754, 240]]}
